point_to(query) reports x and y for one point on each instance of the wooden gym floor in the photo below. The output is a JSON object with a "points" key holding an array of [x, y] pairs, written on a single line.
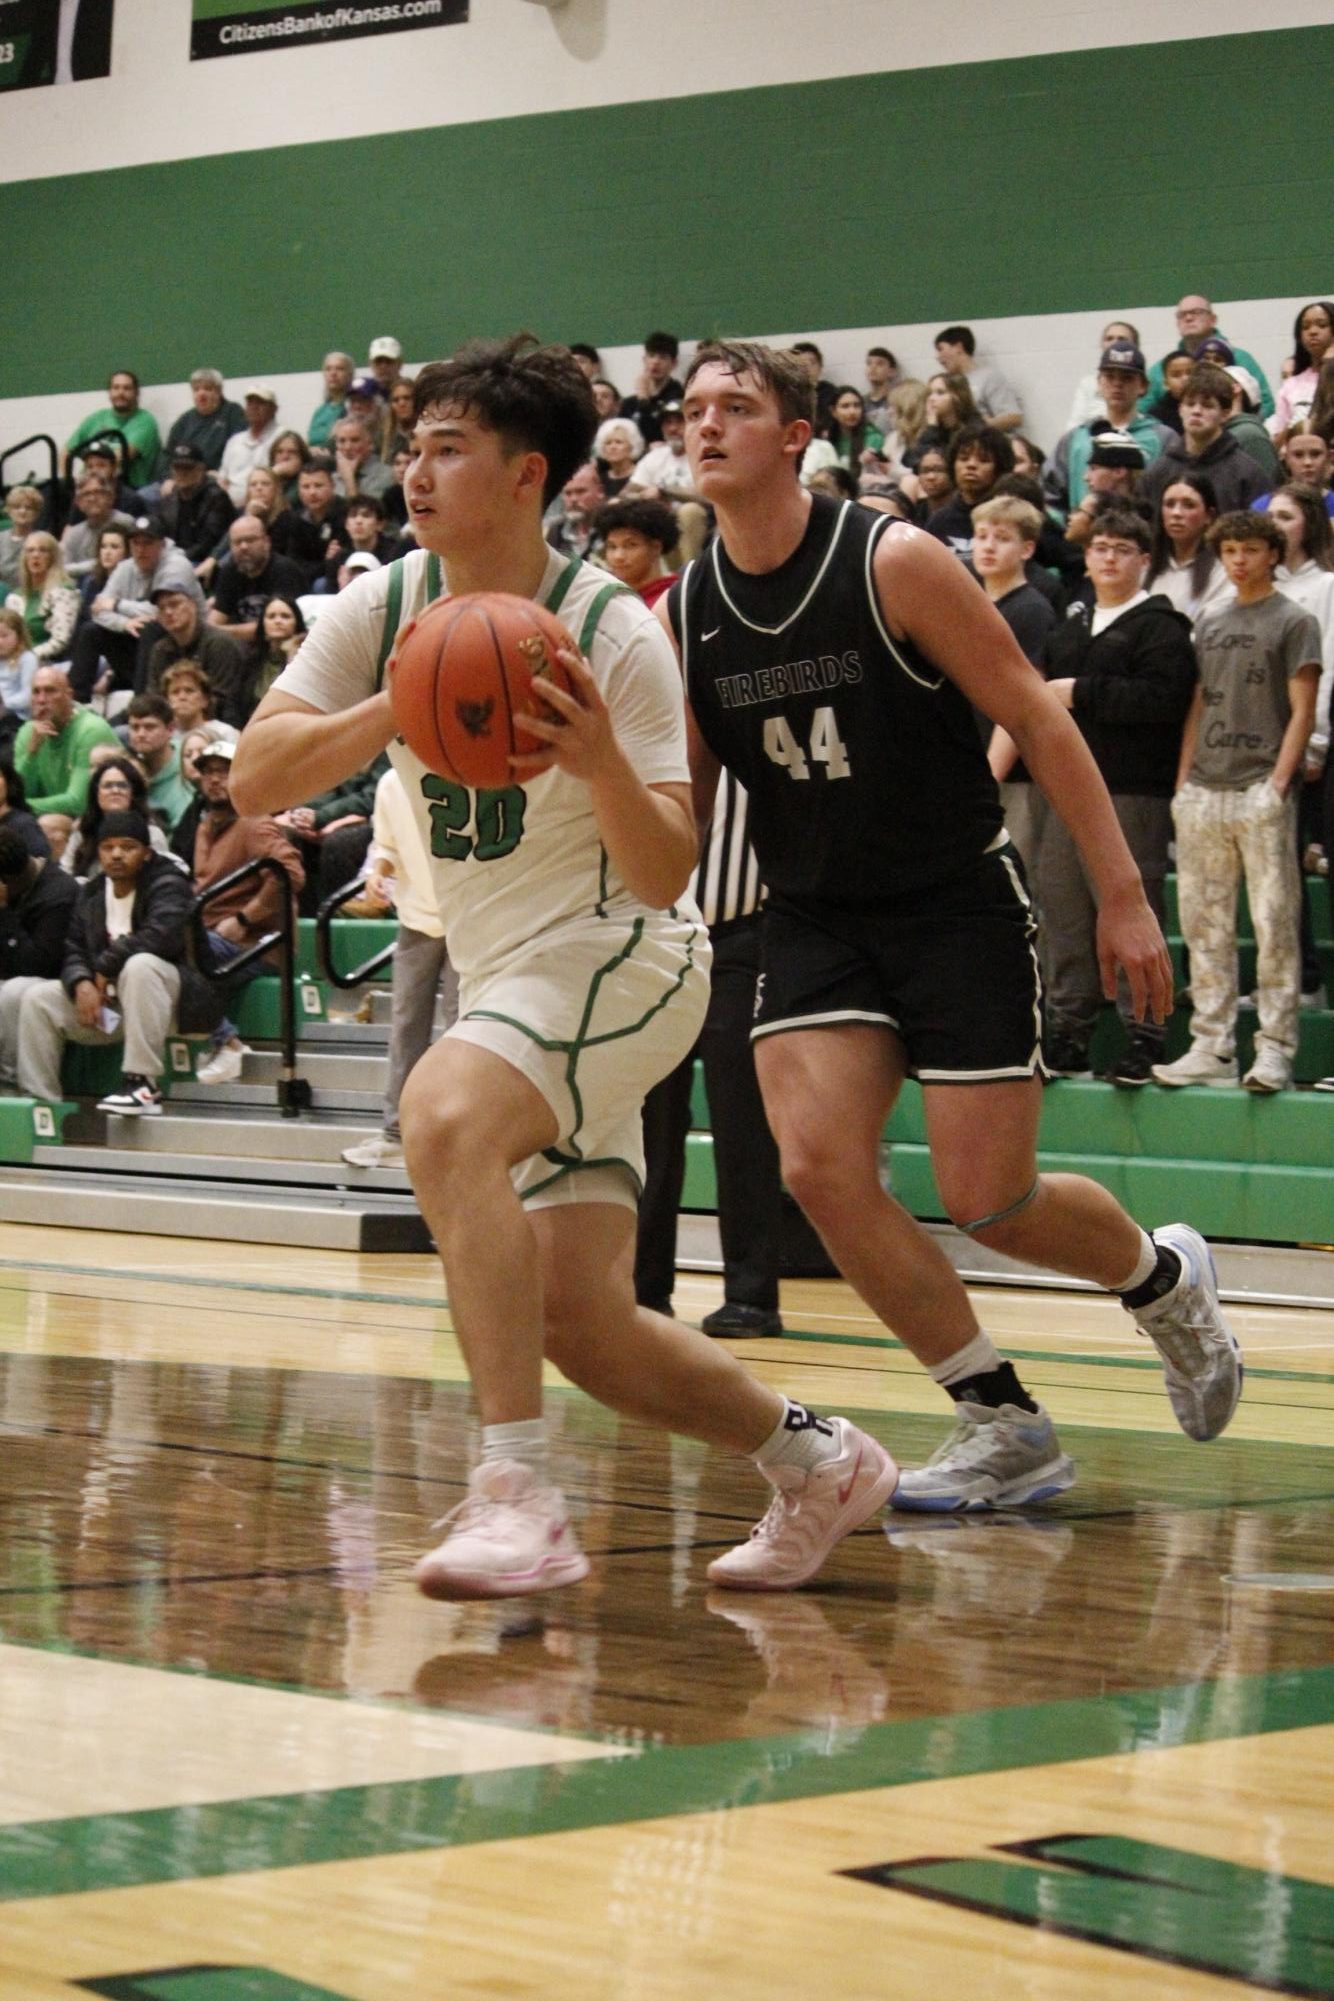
{"points": [[1086, 1753]]}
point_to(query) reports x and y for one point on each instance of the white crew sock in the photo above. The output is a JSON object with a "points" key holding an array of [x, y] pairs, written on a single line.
{"points": [[976, 1359], [800, 1438], [525, 1441], [1146, 1267]]}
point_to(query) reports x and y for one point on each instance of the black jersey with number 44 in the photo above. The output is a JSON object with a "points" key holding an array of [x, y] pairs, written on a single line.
{"points": [[862, 760]]}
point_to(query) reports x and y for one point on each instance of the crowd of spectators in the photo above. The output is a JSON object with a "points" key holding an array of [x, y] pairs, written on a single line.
{"points": [[1133, 557]]}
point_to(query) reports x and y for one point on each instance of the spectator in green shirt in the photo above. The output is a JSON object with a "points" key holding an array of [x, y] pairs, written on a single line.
{"points": [[136, 426], [51, 752], [155, 745]]}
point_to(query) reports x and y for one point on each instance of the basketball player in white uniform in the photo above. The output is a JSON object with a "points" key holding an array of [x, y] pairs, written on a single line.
{"points": [[583, 975]]}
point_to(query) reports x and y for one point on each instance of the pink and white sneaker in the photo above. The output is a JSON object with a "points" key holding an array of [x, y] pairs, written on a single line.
{"points": [[510, 1536], [809, 1514]]}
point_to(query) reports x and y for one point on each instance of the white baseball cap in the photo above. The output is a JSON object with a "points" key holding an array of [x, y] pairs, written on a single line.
{"points": [[386, 345]]}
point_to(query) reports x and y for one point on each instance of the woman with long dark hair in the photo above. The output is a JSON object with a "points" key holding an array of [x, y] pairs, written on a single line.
{"points": [[1312, 340], [848, 431], [118, 786], [1182, 566]]}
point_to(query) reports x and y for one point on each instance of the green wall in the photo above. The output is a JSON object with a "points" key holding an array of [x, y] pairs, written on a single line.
{"points": [[1051, 184]]}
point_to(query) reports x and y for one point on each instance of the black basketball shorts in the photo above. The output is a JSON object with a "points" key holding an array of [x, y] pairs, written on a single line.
{"points": [[952, 969]]}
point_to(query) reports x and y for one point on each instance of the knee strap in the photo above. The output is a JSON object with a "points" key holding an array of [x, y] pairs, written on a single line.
{"points": [[998, 1215]]}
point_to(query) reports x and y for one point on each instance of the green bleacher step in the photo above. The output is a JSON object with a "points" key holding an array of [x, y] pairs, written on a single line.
{"points": [[26, 1123], [1266, 1204]]}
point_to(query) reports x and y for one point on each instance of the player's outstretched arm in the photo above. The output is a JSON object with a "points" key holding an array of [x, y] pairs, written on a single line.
{"points": [[290, 750], [927, 596]]}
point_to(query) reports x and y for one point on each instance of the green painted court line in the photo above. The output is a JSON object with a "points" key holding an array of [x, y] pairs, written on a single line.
{"points": [[885, 1342], [219, 1284], [118, 1851]]}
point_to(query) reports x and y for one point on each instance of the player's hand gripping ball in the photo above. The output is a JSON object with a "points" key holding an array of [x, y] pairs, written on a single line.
{"points": [[463, 671]]}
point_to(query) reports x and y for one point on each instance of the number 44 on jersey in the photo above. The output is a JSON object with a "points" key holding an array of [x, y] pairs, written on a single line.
{"points": [[826, 746]]}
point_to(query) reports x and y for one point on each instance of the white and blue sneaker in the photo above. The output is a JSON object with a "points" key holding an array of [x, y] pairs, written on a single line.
{"points": [[992, 1459], [1201, 1355]]}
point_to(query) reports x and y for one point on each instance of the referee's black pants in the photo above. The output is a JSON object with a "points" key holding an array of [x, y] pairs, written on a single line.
{"points": [[745, 1156]]}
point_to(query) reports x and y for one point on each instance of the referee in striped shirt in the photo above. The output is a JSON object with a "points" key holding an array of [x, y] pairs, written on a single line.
{"points": [[726, 885]]}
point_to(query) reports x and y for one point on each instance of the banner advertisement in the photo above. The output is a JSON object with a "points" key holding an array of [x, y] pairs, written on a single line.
{"points": [[241, 27], [53, 41]]}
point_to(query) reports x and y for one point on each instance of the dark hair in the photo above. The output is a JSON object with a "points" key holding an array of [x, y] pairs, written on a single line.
{"points": [[1242, 525], [318, 460], [1020, 486], [582, 348], [1207, 378], [1321, 412], [534, 398], [838, 476], [772, 367], [1160, 555], [963, 337], [834, 431], [935, 451], [1132, 330], [884, 354], [1034, 450], [369, 503], [801, 347], [914, 511], [1123, 521], [14, 855], [16, 792], [1300, 353], [659, 342], [995, 443], [1317, 538], [150, 705], [91, 817], [650, 518], [257, 653], [124, 371]]}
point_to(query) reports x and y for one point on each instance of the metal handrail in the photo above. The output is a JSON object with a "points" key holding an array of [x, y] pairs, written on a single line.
{"points": [[54, 488], [324, 918], [294, 1095]]}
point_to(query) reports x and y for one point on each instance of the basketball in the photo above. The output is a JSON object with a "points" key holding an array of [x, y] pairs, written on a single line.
{"points": [[463, 671]]}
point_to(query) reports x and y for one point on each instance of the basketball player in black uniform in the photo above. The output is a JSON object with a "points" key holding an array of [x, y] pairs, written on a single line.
{"points": [[830, 657]]}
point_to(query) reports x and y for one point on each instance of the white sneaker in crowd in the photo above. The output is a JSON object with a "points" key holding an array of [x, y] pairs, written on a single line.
{"points": [[1198, 1066], [1270, 1070], [512, 1535], [377, 1151], [225, 1065], [1200, 1353], [810, 1513]]}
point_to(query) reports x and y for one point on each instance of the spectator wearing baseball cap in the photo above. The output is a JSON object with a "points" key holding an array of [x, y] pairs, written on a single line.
{"points": [[194, 510], [209, 422], [123, 629], [1245, 426], [250, 448], [1121, 381], [1111, 479], [124, 976], [137, 428], [385, 362]]}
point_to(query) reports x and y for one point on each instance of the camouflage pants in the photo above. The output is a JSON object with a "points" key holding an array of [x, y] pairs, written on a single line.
{"points": [[1223, 837]]}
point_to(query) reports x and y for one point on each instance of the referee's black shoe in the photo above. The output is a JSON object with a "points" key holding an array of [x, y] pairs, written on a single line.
{"points": [[733, 1322]]}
